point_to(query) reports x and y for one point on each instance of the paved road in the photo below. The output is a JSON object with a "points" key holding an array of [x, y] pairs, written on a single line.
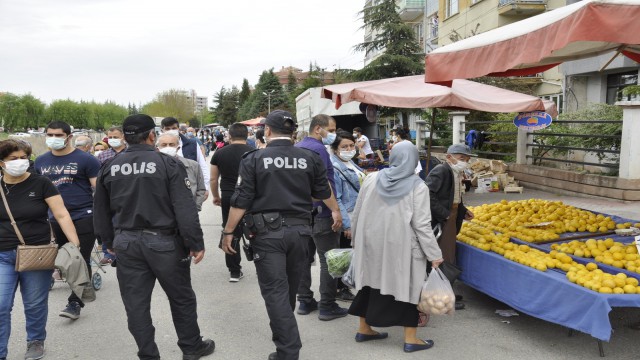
{"points": [[234, 316]]}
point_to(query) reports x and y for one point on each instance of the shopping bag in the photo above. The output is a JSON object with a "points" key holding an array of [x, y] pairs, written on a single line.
{"points": [[348, 279], [451, 271], [437, 297], [338, 261]]}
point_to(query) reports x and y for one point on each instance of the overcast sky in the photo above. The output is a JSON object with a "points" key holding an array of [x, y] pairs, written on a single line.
{"points": [[129, 50]]}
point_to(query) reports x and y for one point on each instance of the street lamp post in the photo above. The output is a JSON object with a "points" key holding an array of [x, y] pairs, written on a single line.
{"points": [[268, 94]]}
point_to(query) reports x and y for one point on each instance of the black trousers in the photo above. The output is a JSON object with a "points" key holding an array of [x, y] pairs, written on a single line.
{"points": [[232, 261], [280, 257], [84, 229], [144, 257]]}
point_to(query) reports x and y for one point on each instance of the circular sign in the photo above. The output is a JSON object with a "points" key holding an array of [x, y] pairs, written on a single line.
{"points": [[534, 120]]}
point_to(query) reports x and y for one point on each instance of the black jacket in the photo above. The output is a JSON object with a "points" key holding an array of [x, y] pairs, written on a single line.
{"points": [[441, 187]]}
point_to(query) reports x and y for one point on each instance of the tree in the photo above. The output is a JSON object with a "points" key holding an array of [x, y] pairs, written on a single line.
{"points": [[245, 92], [11, 111], [402, 54], [227, 105], [174, 103], [267, 89]]}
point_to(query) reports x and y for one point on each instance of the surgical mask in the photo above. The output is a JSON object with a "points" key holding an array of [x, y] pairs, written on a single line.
{"points": [[190, 134], [347, 155], [169, 150], [97, 153], [173, 132], [116, 143], [355, 135], [394, 138], [16, 167], [460, 166], [331, 137], [56, 143]]}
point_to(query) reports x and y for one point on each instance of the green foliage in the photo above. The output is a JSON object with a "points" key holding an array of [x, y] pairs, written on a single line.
{"points": [[245, 92], [257, 104], [226, 109], [173, 102], [402, 54], [86, 115], [631, 90], [597, 112], [21, 112]]}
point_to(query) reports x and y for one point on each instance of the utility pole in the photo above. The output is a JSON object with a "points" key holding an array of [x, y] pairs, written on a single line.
{"points": [[268, 94]]}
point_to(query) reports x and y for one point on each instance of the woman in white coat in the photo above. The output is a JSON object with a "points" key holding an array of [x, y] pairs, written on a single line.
{"points": [[392, 238]]}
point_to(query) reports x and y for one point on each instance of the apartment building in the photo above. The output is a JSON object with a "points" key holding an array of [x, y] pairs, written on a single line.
{"points": [[199, 103]]}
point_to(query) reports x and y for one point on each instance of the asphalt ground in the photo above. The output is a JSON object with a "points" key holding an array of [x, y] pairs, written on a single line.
{"points": [[233, 314]]}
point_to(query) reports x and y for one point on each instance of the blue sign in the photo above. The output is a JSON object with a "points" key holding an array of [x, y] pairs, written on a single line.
{"points": [[535, 120]]}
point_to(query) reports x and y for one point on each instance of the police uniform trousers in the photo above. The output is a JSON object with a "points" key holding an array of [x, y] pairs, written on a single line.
{"points": [[280, 257], [143, 257]]}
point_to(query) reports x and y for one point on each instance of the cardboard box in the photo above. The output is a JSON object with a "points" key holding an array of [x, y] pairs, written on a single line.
{"points": [[498, 166]]}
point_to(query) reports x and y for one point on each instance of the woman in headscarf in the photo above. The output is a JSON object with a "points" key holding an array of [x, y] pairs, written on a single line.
{"points": [[392, 239]]}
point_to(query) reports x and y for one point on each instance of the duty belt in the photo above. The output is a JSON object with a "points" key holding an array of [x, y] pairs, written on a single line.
{"points": [[150, 231], [294, 221]]}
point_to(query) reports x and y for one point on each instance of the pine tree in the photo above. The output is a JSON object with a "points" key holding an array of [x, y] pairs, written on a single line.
{"points": [[245, 92]]}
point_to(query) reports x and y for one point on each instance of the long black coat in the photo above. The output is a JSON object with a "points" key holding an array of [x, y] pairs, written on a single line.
{"points": [[441, 187]]}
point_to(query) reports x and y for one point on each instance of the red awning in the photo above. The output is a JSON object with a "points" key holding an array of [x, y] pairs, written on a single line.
{"points": [[581, 30]]}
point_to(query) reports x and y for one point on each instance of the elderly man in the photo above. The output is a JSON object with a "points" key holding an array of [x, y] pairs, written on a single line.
{"points": [[84, 143], [168, 144]]}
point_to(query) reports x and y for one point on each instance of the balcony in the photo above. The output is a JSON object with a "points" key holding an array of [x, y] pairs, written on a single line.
{"points": [[521, 7], [410, 9]]}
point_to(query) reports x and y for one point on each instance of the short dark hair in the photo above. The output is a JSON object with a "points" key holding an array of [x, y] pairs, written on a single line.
{"points": [[57, 124], [358, 129], [260, 135], [238, 131], [341, 135], [403, 134], [11, 145], [138, 138], [219, 138], [116, 128], [321, 120], [169, 121], [280, 132]]}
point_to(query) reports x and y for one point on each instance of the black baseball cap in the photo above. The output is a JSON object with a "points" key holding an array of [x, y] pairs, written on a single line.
{"points": [[281, 120], [137, 124]]}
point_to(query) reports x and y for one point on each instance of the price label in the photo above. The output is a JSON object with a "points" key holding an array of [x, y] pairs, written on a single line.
{"points": [[637, 242]]}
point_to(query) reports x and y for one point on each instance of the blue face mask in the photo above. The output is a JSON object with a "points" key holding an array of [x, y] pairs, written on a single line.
{"points": [[331, 137], [190, 134]]}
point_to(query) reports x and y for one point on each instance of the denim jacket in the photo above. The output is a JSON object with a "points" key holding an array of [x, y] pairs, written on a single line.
{"points": [[346, 195]]}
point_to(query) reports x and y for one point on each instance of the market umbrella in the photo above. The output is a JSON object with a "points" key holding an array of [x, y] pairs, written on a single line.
{"points": [[412, 92], [252, 122], [585, 29]]}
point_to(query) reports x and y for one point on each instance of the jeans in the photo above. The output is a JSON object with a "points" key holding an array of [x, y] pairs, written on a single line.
{"points": [[143, 258], [34, 287], [325, 239], [232, 261]]}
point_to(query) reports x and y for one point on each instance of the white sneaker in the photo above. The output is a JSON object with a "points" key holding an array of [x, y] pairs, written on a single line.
{"points": [[236, 277]]}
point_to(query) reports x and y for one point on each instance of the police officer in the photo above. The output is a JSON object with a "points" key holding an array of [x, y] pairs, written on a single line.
{"points": [[274, 194], [148, 196]]}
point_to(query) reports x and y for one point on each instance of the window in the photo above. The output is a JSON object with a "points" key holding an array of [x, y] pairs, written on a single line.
{"points": [[617, 82], [452, 7], [558, 99]]}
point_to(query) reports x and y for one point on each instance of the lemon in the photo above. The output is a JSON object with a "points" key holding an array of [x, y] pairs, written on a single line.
{"points": [[591, 266], [605, 290], [609, 283], [629, 289], [618, 290], [632, 281]]}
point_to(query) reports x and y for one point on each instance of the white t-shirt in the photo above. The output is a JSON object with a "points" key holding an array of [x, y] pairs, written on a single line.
{"points": [[367, 146]]}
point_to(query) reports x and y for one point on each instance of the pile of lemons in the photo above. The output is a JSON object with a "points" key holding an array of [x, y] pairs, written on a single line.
{"points": [[605, 251], [590, 277], [520, 219]]}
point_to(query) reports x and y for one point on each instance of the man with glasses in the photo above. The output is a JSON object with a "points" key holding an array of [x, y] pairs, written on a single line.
{"points": [[74, 173]]}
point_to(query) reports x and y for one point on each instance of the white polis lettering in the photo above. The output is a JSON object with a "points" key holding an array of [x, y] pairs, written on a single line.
{"points": [[136, 168], [286, 163]]}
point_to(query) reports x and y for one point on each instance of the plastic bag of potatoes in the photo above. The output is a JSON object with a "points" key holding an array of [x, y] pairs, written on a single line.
{"points": [[437, 297]]}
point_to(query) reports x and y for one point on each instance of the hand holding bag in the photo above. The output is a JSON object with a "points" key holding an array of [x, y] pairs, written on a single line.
{"points": [[31, 257]]}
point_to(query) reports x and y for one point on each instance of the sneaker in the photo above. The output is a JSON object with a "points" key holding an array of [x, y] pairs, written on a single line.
{"points": [[345, 295], [235, 277], [72, 311], [207, 348], [88, 294], [334, 313], [305, 308], [35, 350]]}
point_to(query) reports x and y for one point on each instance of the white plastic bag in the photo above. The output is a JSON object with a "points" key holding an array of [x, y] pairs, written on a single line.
{"points": [[437, 297], [349, 277]]}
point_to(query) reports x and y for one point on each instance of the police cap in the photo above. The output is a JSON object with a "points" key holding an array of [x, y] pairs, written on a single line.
{"points": [[137, 124], [281, 120]]}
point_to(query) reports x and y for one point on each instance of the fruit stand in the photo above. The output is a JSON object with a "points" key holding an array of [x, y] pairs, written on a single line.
{"points": [[551, 261]]}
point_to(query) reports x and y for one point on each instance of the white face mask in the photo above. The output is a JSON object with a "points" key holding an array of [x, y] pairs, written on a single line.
{"points": [[116, 143], [97, 153], [16, 167], [460, 166], [171, 151], [347, 155], [394, 138], [355, 135], [56, 143]]}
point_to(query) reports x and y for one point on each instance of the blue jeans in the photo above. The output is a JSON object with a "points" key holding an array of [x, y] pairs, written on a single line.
{"points": [[34, 287]]}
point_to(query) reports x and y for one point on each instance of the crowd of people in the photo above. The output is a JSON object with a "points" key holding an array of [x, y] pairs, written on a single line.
{"points": [[138, 193]]}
